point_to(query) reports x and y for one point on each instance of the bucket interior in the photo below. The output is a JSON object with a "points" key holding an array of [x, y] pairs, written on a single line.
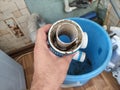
{"points": [[97, 50]]}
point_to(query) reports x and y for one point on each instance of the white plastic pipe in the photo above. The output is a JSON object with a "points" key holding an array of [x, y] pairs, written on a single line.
{"points": [[67, 7]]}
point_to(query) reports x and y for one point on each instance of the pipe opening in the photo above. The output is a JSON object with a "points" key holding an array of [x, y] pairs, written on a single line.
{"points": [[65, 35]]}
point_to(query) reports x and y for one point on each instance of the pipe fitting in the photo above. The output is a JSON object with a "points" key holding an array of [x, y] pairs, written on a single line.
{"points": [[66, 37]]}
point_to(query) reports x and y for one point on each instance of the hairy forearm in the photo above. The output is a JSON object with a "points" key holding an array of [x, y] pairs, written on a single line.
{"points": [[41, 84]]}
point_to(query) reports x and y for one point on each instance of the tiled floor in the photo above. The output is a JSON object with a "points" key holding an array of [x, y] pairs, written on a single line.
{"points": [[104, 81]]}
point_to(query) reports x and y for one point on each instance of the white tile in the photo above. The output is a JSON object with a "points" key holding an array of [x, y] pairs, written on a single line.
{"points": [[20, 4], [25, 11], [0, 11], [7, 14], [17, 14], [4, 48], [19, 45], [12, 7], [24, 27], [24, 24], [9, 46], [12, 34], [22, 19], [3, 32], [27, 40], [8, 9], [10, 49], [8, 6], [19, 39], [3, 26], [3, 6], [1, 16], [0, 33], [7, 37], [4, 42], [3, 39]]}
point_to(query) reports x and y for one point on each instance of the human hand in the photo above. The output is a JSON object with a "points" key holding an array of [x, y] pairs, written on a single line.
{"points": [[49, 69]]}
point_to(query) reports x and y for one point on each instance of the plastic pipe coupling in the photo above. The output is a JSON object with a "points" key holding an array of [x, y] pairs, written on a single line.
{"points": [[66, 37]]}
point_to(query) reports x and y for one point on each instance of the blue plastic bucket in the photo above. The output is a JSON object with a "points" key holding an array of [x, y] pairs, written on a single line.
{"points": [[99, 51]]}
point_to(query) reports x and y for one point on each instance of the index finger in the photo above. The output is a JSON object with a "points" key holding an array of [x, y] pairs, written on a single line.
{"points": [[41, 35]]}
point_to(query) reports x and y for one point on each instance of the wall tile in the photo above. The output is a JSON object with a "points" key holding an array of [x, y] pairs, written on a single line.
{"points": [[1, 16], [7, 14], [8, 6], [6, 37], [20, 4], [15, 9], [27, 41], [3, 39], [3, 47], [3, 32], [17, 14], [22, 19], [19, 45], [2, 5], [24, 27], [14, 27], [25, 11], [0, 33], [3, 26]]}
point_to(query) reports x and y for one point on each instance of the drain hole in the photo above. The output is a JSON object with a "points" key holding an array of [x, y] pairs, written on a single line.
{"points": [[99, 51]]}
